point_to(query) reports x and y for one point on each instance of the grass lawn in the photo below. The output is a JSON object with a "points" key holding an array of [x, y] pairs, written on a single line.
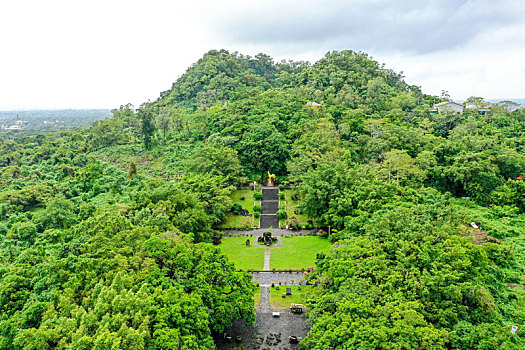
{"points": [[298, 296], [241, 221], [247, 203], [237, 221], [291, 206], [257, 297], [297, 252], [243, 256]]}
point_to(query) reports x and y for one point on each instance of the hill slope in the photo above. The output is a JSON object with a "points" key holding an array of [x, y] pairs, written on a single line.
{"points": [[105, 232]]}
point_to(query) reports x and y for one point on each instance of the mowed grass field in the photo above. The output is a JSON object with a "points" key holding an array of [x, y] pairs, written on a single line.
{"points": [[277, 301], [243, 256], [297, 252], [241, 221]]}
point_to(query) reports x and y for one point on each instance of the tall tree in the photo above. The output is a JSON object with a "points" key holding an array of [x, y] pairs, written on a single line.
{"points": [[148, 127], [398, 166], [164, 120], [264, 149]]}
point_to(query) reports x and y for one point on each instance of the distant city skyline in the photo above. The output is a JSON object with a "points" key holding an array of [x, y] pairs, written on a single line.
{"points": [[60, 54]]}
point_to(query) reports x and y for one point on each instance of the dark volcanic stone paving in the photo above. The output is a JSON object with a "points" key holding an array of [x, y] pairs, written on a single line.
{"points": [[266, 326], [271, 194], [264, 305], [269, 207], [266, 278], [269, 220], [268, 332]]}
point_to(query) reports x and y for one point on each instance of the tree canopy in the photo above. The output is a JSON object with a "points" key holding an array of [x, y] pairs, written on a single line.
{"points": [[106, 231]]}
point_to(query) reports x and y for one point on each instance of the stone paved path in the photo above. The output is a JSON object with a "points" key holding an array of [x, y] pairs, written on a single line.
{"points": [[264, 305], [267, 259], [265, 278], [268, 332]]}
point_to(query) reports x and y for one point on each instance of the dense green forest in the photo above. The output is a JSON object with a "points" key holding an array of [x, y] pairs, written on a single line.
{"points": [[105, 232]]}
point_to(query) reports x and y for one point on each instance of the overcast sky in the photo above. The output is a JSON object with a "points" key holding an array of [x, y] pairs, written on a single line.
{"points": [[104, 53]]}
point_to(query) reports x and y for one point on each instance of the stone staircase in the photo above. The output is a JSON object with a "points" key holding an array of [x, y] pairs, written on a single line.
{"points": [[269, 207]]}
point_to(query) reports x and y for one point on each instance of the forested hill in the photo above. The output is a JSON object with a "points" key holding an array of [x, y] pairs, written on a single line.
{"points": [[346, 78], [105, 232]]}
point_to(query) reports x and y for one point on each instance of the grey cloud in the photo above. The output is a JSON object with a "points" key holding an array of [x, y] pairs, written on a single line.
{"points": [[419, 26]]}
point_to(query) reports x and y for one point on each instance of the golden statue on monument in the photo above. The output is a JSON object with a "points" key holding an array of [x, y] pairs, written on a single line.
{"points": [[270, 179]]}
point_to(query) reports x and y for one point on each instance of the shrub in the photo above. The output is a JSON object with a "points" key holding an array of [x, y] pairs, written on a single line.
{"points": [[322, 233], [293, 223], [273, 284], [281, 214], [256, 214], [257, 208], [308, 226], [242, 198], [237, 208], [281, 195], [258, 195], [281, 187], [294, 196]]}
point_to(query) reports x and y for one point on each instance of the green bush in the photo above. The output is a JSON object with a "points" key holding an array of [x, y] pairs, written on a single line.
{"points": [[242, 198], [281, 214], [237, 208], [258, 195], [257, 208], [281, 187], [256, 214], [293, 223], [294, 196], [281, 195]]}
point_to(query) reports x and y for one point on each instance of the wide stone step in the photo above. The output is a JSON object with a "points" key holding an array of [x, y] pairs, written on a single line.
{"points": [[269, 207], [270, 194], [269, 221]]}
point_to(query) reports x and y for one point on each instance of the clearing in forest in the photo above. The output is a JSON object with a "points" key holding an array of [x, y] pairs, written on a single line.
{"points": [[292, 253], [236, 221]]}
